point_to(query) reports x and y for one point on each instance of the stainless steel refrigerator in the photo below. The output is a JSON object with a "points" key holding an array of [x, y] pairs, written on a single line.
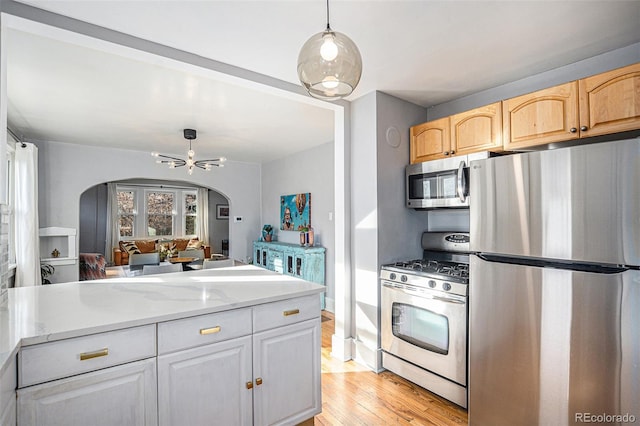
{"points": [[554, 293]]}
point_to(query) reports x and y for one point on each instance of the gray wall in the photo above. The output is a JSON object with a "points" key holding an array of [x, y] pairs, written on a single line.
{"points": [[383, 229], [308, 171], [93, 220], [218, 228], [67, 170], [588, 67]]}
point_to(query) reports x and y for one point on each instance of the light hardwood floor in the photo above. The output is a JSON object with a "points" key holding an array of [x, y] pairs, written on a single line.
{"points": [[354, 395]]}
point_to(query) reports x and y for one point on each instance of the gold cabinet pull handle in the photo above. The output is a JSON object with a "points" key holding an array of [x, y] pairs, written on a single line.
{"points": [[212, 330], [95, 354], [249, 385], [291, 312], [259, 381]]}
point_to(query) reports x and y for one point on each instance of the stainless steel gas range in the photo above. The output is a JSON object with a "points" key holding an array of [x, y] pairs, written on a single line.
{"points": [[424, 316]]}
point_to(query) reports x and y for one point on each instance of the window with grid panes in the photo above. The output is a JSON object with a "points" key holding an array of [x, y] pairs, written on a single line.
{"points": [[160, 207]]}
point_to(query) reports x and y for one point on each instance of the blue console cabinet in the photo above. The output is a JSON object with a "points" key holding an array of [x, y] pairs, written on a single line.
{"points": [[291, 259]]}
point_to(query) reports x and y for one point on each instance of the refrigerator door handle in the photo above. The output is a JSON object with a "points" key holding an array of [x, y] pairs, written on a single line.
{"points": [[462, 182]]}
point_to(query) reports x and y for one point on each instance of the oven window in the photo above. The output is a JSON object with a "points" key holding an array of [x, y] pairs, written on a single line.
{"points": [[421, 327]]}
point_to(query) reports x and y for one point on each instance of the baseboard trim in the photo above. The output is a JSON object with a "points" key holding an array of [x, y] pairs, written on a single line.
{"points": [[341, 347], [330, 305]]}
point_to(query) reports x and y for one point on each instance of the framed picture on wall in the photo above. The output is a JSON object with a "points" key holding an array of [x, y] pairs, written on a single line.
{"points": [[222, 211], [295, 212]]}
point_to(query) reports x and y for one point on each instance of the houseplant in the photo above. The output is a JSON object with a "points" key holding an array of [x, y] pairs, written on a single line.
{"points": [[267, 233], [46, 270]]}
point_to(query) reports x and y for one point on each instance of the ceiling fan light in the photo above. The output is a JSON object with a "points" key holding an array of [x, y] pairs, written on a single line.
{"points": [[329, 79]]}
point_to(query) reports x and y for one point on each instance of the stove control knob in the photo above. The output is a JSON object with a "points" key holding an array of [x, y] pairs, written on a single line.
{"points": [[446, 286], [392, 276], [403, 278], [432, 283]]}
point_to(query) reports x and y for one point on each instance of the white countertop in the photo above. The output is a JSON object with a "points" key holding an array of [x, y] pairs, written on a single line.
{"points": [[59, 311]]}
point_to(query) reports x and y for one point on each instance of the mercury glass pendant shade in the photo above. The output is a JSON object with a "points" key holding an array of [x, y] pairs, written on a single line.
{"points": [[329, 65]]}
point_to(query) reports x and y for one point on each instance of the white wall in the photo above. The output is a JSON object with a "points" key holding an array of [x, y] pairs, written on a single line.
{"points": [[383, 228], [67, 170], [308, 171]]}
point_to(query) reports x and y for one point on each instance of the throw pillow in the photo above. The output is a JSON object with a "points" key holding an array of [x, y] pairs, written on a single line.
{"points": [[130, 247], [146, 246], [194, 244], [181, 244]]}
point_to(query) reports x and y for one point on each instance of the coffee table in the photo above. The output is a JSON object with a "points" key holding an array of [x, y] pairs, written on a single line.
{"points": [[184, 261]]}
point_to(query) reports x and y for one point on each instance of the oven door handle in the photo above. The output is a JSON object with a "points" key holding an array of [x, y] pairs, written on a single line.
{"points": [[426, 294], [447, 300]]}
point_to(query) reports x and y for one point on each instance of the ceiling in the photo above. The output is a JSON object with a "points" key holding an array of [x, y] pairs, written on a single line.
{"points": [[426, 52]]}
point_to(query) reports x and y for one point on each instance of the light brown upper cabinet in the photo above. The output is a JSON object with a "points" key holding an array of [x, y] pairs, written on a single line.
{"points": [[599, 105], [430, 141], [545, 116], [610, 102], [471, 131], [477, 130]]}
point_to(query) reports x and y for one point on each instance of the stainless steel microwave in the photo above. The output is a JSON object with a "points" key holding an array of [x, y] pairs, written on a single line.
{"points": [[440, 183]]}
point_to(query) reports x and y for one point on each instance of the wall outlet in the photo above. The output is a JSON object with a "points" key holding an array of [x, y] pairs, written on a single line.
{"points": [[237, 218]]}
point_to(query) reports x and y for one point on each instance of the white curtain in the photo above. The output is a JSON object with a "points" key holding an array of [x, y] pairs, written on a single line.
{"points": [[113, 229], [202, 209], [27, 242]]}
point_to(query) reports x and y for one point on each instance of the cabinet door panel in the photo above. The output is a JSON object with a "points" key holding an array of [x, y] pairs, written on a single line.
{"points": [[206, 385], [123, 395], [541, 117], [430, 140], [478, 129], [287, 360], [610, 102]]}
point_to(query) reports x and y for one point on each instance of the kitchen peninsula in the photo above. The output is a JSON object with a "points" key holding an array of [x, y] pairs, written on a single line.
{"points": [[238, 344]]}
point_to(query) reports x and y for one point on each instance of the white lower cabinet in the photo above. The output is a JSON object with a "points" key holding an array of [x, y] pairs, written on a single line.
{"points": [[8, 383], [269, 376], [122, 395], [206, 385], [257, 365], [286, 367]]}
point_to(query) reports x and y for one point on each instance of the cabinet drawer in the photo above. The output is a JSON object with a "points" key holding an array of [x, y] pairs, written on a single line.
{"points": [[278, 314], [63, 358], [203, 330]]}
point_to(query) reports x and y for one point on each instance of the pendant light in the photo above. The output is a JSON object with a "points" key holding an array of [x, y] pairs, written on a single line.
{"points": [[329, 64]]}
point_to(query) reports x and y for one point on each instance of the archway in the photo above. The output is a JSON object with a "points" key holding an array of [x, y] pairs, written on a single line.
{"points": [[94, 215]]}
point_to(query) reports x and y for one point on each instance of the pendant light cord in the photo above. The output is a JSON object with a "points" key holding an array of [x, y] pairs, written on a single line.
{"points": [[328, 27]]}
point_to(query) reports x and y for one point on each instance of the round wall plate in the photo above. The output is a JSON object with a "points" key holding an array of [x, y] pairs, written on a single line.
{"points": [[393, 137]]}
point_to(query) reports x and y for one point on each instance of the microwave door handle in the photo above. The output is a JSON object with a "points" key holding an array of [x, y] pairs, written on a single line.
{"points": [[462, 182]]}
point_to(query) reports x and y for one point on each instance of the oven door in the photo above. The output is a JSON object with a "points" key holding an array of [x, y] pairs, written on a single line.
{"points": [[427, 328]]}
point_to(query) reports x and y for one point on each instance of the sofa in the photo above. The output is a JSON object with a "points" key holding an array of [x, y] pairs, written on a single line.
{"points": [[125, 248]]}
